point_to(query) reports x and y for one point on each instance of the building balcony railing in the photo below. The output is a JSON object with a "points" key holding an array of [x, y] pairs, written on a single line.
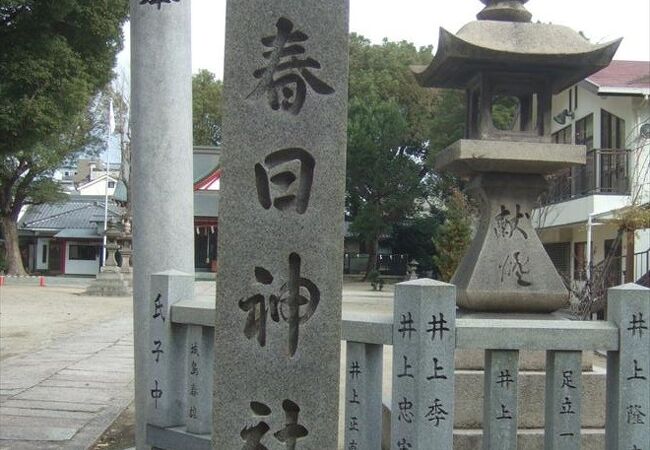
{"points": [[607, 171]]}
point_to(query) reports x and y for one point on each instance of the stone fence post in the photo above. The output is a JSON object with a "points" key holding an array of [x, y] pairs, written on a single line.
{"points": [[424, 339], [166, 350], [628, 370]]}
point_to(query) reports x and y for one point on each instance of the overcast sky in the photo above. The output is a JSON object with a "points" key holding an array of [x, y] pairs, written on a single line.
{"points": [[418, 21]]}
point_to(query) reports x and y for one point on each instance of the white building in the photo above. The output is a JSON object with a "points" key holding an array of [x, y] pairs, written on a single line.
{"points": [[98, 186], [609, 112]]}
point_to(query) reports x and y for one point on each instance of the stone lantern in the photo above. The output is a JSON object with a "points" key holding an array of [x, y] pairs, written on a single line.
{"points": [[506, 63]]}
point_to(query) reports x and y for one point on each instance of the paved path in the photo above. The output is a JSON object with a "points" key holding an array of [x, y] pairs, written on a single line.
{"points": [[65, 396]]}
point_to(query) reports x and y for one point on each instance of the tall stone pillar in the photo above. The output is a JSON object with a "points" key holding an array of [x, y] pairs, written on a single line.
{"points": [[161, 121], [278, 312]]}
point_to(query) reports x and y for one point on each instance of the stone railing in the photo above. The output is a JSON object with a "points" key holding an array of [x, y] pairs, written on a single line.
{"points": [[424, 334]]}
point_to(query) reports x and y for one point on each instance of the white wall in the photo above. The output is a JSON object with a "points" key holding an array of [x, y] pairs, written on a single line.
{"points": [[80, 267], [97, 187]]}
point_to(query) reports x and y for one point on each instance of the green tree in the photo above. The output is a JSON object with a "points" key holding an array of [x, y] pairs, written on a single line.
{"points": [[394, 126], [206, 108], [55, 56], [453, 237]]}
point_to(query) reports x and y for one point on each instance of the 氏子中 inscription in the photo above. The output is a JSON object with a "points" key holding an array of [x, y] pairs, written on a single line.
{"points": [[297, 294], [283, 185], [285, 78]]}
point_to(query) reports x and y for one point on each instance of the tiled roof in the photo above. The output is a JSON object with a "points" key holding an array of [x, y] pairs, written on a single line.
{"points": [[623, 74], [78, 212]]}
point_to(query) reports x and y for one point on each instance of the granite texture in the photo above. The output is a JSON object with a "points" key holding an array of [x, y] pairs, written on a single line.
{"points": [[500, 404], [161, 123], [363, 403], [467, 157], [628, 371], [167, 405], [278, 314], [506, 268], [563, 411], [424, 338]]}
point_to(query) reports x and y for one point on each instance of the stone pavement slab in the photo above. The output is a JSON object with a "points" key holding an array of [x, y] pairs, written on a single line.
{"points": [[64, 396]]}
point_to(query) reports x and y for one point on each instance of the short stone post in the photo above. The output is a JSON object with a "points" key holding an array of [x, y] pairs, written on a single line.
{"points": [[363, 396], [563, 399], [628, 370], [167, 381], [278, 310], [500, 400], [424, 340]]}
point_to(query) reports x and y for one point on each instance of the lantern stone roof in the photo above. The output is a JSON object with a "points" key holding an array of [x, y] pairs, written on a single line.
{"points": [[555, 51]]}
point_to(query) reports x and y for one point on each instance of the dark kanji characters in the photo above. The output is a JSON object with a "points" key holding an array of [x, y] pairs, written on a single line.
{"points": [[635, 415], [354, 424], [355, 370], [292, 430], [353, 445], [289, 435], [405, 406], [407, 366], [406, 325], [296, 295], [637, 370], [284, 80], [355, 397], [505, 413], [506, 225], [158, 308], [515, 264], [436, 412], [156, 393], [285, 179], [194, 349], [193, 414], [567, 379], [567, 406], [436, 369], [403, 444], [437, 326], [505, 378], [194, 368], [637, 325], [194, 391], [158, 350]]}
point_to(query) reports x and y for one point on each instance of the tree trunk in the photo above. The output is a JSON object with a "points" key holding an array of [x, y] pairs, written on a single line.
{"points": [[12, 251], [372, 257]]}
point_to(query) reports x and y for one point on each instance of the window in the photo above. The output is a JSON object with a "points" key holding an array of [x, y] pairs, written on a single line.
{"points": [[111, 184], [580, 261], [612, 130], [585, 131], [563, 136], [80, 252]]}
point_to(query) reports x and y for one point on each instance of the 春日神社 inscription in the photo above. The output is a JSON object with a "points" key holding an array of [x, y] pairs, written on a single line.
{"points": [[278, 313]]}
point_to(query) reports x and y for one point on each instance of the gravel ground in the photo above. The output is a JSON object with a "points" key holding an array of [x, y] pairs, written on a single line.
{"points": [[31, 317]]}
